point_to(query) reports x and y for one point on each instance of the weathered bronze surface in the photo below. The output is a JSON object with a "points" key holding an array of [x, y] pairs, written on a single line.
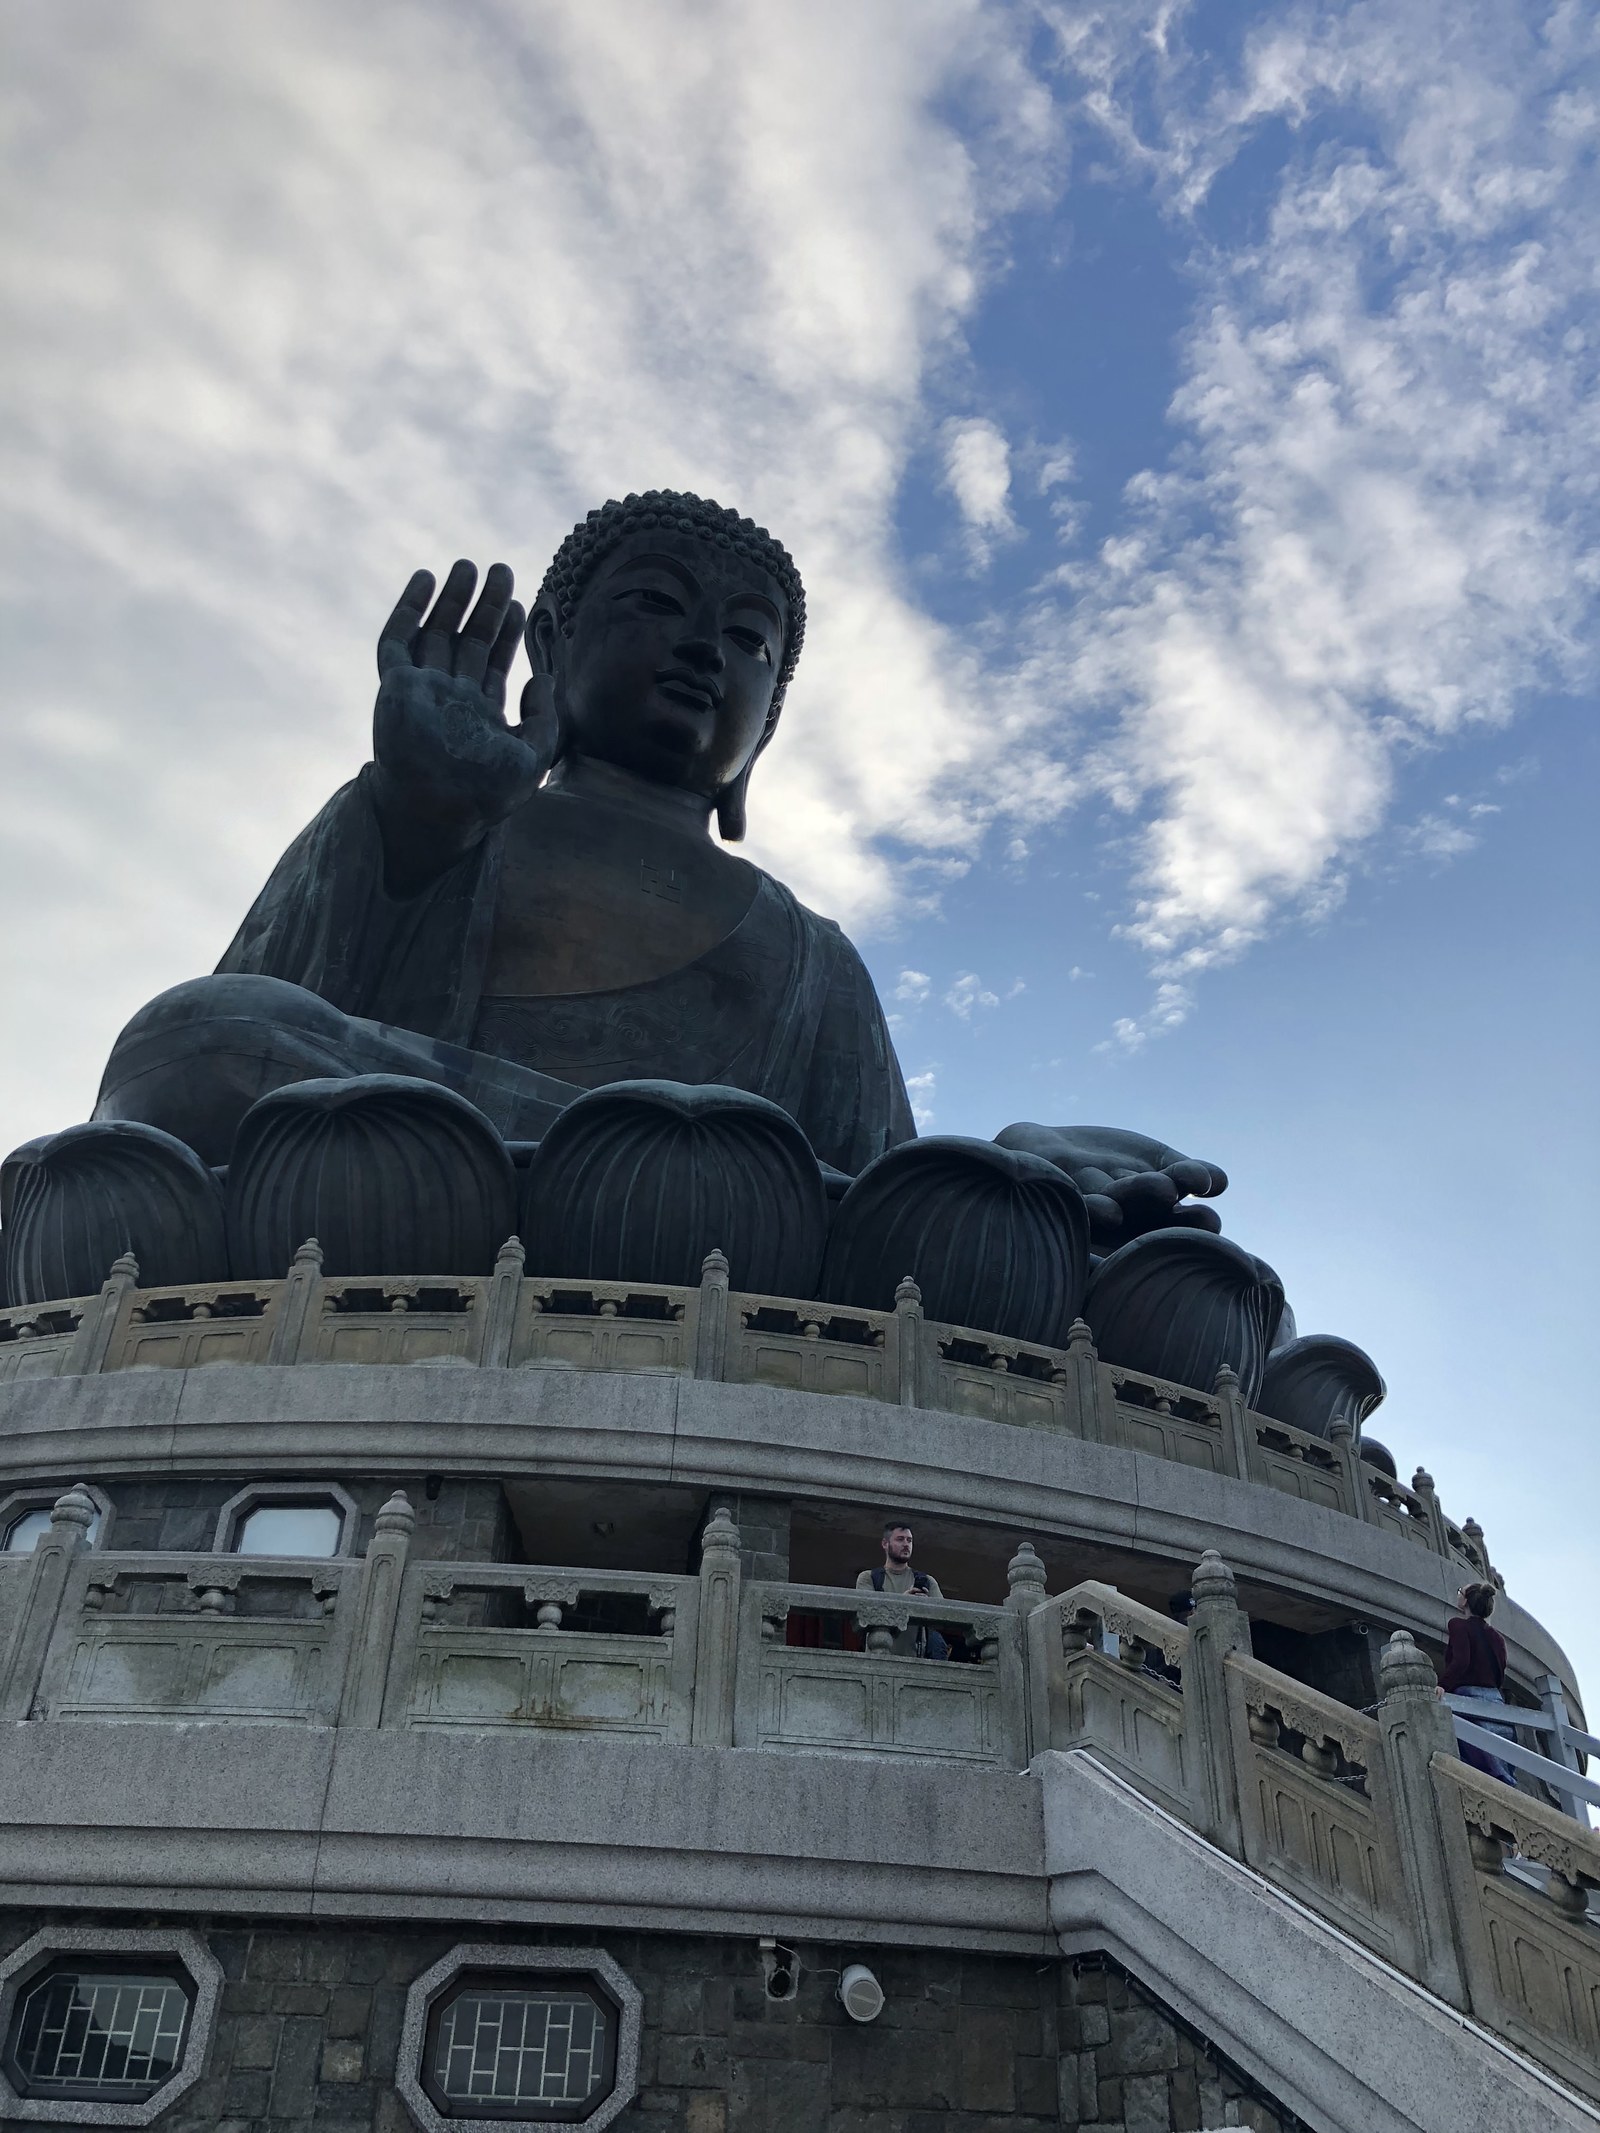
{"points": [[522, 912]]}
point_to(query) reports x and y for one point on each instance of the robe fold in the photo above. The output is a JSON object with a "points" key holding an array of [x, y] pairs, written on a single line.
{"points": [[783, 1006]]}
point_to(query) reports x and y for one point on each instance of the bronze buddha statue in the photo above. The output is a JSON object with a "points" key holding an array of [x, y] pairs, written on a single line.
{"points": [[524, 912]]}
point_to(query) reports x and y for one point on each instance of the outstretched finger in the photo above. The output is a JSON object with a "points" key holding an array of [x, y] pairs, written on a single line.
{"points": [[482, 626], [395, 638], [501, 654], [435, 645]]}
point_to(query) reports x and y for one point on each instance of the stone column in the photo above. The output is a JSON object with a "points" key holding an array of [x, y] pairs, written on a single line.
{"points": [[1216, 1627], [1082, 1377], [299, 1319], [711, 1318], [377, 1611], [1025, 1582], [1414, 1727], [1237, 1443], [91, 1344], [717, 1641], [48, 1571], [1422, 1486], [1342, 1437], [500, 1306], [908, 1339]]}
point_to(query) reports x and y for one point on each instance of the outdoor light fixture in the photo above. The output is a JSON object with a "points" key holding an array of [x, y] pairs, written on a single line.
{"points": [[860, 1994]]}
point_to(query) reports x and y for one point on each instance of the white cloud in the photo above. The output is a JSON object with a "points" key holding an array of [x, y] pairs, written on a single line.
{"points": [[913, 986], [921, 1089], [969, 992], [1379, 525], [977, 472], [291, 310]]}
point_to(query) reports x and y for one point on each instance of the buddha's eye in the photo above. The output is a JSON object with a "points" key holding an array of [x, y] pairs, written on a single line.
{"points": [[753, 642], [653, 599]]}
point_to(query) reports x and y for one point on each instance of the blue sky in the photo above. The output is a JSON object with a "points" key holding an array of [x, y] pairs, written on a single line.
{"points": [[1185, 421]]}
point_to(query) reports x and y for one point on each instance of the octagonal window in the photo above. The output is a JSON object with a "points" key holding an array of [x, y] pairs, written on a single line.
{"points": [[540, 2048], [26, 1531], [99, 2031], [298, 1529]]}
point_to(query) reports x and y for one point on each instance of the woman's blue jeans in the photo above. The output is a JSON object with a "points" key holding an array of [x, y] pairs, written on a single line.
{"points": [[1480, 1758]]}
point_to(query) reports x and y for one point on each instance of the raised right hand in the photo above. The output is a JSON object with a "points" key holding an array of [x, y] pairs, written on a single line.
{"points": [[449, 766]]}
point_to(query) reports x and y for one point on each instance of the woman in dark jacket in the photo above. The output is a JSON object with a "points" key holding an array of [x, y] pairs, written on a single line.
{"points": [[1475, 1666]]}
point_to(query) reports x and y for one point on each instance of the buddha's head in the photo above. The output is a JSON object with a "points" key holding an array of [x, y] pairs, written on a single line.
{"points": [[669, 628]]}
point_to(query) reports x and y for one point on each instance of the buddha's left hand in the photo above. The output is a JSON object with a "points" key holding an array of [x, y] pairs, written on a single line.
{"points": [[1130, 1182]]}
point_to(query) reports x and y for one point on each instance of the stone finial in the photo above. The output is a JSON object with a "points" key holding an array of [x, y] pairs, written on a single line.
{"points": [[714, 1266], [76, 1508], [124, 1271], [907, 1293], [397, 1515], [1025, 1574], [721, 1534], [1226, 1380], [309, 1256], [511, 1257], [1404, 1670], [1342, 1432], [1080, 1337], [1213, 1581], [1422, 1482]]}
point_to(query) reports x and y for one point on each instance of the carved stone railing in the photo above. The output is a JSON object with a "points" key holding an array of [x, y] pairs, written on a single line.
{"points": [[1478, 1891], [881, 1699], [511, 1319]]}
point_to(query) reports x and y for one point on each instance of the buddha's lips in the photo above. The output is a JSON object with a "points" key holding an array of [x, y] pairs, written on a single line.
{"points": [[690, 688]]}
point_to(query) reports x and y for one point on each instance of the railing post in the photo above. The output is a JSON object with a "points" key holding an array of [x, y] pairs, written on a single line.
{"points": [[717, 1637], [500, 1306], [1025, 1581], [711, 1319], [1083, 1376], [1217, 1626], [1413, 1727], [377, 1611], [1553, 1702], [91, 1343], [1342, 1438], [1422, 1487], [1236, 1444], [299, 1320], [908, 1342], [1472, 1533], [71, 1516]]}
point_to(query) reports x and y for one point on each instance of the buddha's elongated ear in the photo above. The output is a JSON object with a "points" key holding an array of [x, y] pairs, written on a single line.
{"points": [[542, 636], [730, 806]]}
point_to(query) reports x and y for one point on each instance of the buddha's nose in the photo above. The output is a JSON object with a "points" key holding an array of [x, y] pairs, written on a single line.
{"points": [[702, 652]]}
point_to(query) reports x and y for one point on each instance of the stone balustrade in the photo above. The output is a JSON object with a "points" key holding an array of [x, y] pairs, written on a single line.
{"points": [[510, 1319], [1478, 1891]]}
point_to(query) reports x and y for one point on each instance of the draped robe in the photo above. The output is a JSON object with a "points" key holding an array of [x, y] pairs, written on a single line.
{"points": [[783, 1006]]}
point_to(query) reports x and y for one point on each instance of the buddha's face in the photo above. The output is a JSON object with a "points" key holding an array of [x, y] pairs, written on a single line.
{"points": [[672, 660]]}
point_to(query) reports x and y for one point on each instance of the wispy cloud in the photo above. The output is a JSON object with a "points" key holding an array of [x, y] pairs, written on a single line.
{"points": [[968, 994], [1379, 524], [291, 311], [921, 1088], [977, 472], [912, 986]]}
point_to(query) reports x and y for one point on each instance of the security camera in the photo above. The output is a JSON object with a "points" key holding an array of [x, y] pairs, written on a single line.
{"points": [[861, 1994], [780, 1967]]}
